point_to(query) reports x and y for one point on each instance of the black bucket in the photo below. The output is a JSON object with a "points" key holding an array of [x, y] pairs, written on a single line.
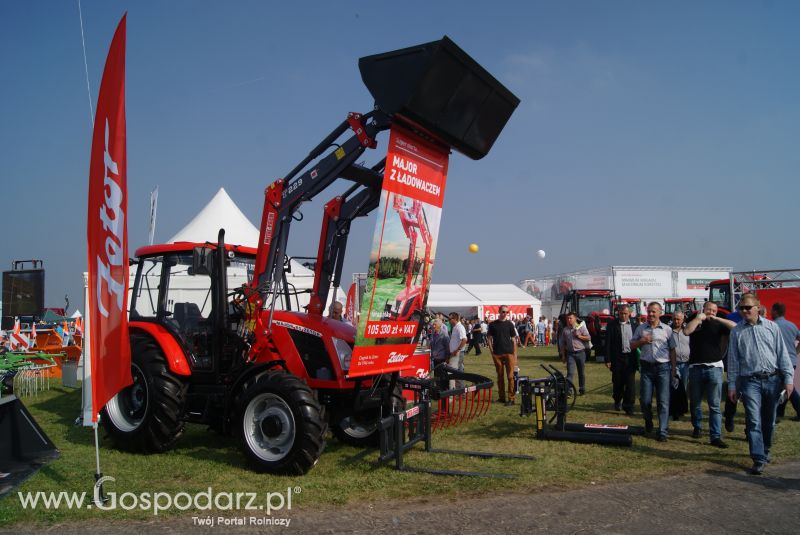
{"points": [[24, 447], [439, 88]]}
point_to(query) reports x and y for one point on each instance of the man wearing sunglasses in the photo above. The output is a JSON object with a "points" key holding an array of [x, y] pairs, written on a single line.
{"points": [[759, 366], [503, 347]]}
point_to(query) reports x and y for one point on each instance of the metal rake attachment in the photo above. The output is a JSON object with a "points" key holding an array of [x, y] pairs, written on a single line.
{"points": [[402, 430], [456, 397], [23, 377]]}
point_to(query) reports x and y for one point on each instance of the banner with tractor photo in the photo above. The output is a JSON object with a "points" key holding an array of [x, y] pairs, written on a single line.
{"points": [[402, 255]]}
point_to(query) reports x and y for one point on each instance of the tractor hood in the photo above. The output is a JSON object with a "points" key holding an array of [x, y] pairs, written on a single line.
{"points": [[439, 90]]}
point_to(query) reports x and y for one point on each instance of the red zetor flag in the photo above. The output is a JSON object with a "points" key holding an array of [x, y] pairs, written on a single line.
{"points": [[107, 234], [350, 307]]}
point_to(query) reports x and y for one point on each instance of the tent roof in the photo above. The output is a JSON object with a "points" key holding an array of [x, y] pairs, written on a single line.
{"points": [[501, 294], [76, 314], [50, 317], [222, 212], [451, 295], [473, 295]]}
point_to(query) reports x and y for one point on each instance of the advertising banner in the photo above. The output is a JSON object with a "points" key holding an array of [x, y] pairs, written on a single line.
{"points": [[643, 283], [555, 288], [694, 283], [515, 312], [107, 234], [403, 253]]}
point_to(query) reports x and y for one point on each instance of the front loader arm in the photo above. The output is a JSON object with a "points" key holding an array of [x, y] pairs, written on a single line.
{"points": [[339, 214], [284, 196]]}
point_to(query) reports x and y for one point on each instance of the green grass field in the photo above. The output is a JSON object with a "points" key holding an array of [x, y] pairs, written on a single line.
{"points": [[345, 474], [387, 290]]}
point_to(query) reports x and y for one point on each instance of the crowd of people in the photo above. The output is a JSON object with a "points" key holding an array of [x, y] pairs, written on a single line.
{"points": [[684, 363], [757, 354]]}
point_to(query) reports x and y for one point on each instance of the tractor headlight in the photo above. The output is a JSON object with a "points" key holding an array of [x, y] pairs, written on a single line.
{"points": [[344, 352]]}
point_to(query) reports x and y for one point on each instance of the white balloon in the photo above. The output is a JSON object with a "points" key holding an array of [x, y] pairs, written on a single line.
{"points": [[540, 253]]}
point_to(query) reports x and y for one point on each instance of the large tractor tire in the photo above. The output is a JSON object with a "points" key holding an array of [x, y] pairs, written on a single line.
{"points": [[147, 416], [280, 423], [362, 429]]}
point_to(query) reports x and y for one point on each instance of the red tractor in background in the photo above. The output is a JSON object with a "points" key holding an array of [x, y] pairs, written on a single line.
{"points": [[635, 304], [593, 307], [770, 286], [408, 305], [687, 305], [209, 342]]}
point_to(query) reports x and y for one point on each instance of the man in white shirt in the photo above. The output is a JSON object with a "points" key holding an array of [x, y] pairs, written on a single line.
{"points": [[458, 341]]}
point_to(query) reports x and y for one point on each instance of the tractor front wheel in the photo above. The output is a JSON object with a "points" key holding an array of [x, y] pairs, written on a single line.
{"points": [[147, 416], [280, 423]]}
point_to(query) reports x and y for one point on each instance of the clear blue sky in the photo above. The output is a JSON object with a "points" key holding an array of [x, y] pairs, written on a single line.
{"points": [[649, 133]]}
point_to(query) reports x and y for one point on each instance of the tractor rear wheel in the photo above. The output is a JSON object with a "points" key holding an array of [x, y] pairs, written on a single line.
{"points": [[361, 429], [280, 424], [147, 416]]}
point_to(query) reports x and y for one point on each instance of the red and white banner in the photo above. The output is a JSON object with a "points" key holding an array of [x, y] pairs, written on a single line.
{"points": [[350, 305], [403, 252], [515, 312], [107, 234]]}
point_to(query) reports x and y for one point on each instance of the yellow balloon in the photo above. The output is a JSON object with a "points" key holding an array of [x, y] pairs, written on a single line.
{"points": [[473, 247]]}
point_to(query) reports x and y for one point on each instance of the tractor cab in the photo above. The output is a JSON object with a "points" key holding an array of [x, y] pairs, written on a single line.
{"points": [[719, 291], [687, 305], [593, 307], [175, 292]]}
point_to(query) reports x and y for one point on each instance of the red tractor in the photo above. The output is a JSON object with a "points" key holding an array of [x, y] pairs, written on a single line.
{"points": [[687, 305], [635, 305], [209, 342], [592, 307], [408, 304], [770, 286]]}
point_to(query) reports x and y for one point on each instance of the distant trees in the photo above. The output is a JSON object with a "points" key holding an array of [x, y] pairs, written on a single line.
{"points": [[392, 267]]}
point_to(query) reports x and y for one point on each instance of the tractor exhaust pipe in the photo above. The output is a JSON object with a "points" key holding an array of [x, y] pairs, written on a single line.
{"points": [[439, 90]]}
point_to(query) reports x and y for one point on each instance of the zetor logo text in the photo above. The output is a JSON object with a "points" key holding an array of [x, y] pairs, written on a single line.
{"points": [[396, 357], [113, 220]]}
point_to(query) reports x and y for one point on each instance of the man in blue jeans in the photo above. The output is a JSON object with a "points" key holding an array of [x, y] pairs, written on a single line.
{"points": [[654, 340], [759, 366], [572, 350], [707, 333]]}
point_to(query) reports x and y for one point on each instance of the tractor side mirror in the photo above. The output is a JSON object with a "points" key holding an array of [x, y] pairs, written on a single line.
{"points": [[202, 261]]}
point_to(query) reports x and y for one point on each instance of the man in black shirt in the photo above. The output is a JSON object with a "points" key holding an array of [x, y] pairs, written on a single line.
{"points": [[503, 347], [707, 339]]}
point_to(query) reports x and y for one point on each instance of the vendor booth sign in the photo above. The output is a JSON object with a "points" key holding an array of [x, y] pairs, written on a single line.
{"points": [[515, 312], [403, 252]]}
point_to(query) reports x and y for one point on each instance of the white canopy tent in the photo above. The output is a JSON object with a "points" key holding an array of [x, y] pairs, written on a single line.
{"points": [[475, 299], [222, 212]]}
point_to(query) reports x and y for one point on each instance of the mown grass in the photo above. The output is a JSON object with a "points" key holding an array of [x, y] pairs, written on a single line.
{"points": [[345, 474]]}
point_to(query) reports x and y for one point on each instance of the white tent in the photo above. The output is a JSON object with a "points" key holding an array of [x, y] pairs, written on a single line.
{"points": [[222, 212], [480, 299], [76, 314], [448, 298]]}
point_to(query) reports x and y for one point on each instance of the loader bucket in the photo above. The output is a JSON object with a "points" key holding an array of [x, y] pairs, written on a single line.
{"points": [[24, 448], [439, 88]]}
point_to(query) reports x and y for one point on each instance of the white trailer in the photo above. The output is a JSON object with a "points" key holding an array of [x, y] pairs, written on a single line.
{"points": [[649, 283]]}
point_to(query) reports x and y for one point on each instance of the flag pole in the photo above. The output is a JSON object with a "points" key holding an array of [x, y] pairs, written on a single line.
{"points": [[99, 495], [107, 246]]}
